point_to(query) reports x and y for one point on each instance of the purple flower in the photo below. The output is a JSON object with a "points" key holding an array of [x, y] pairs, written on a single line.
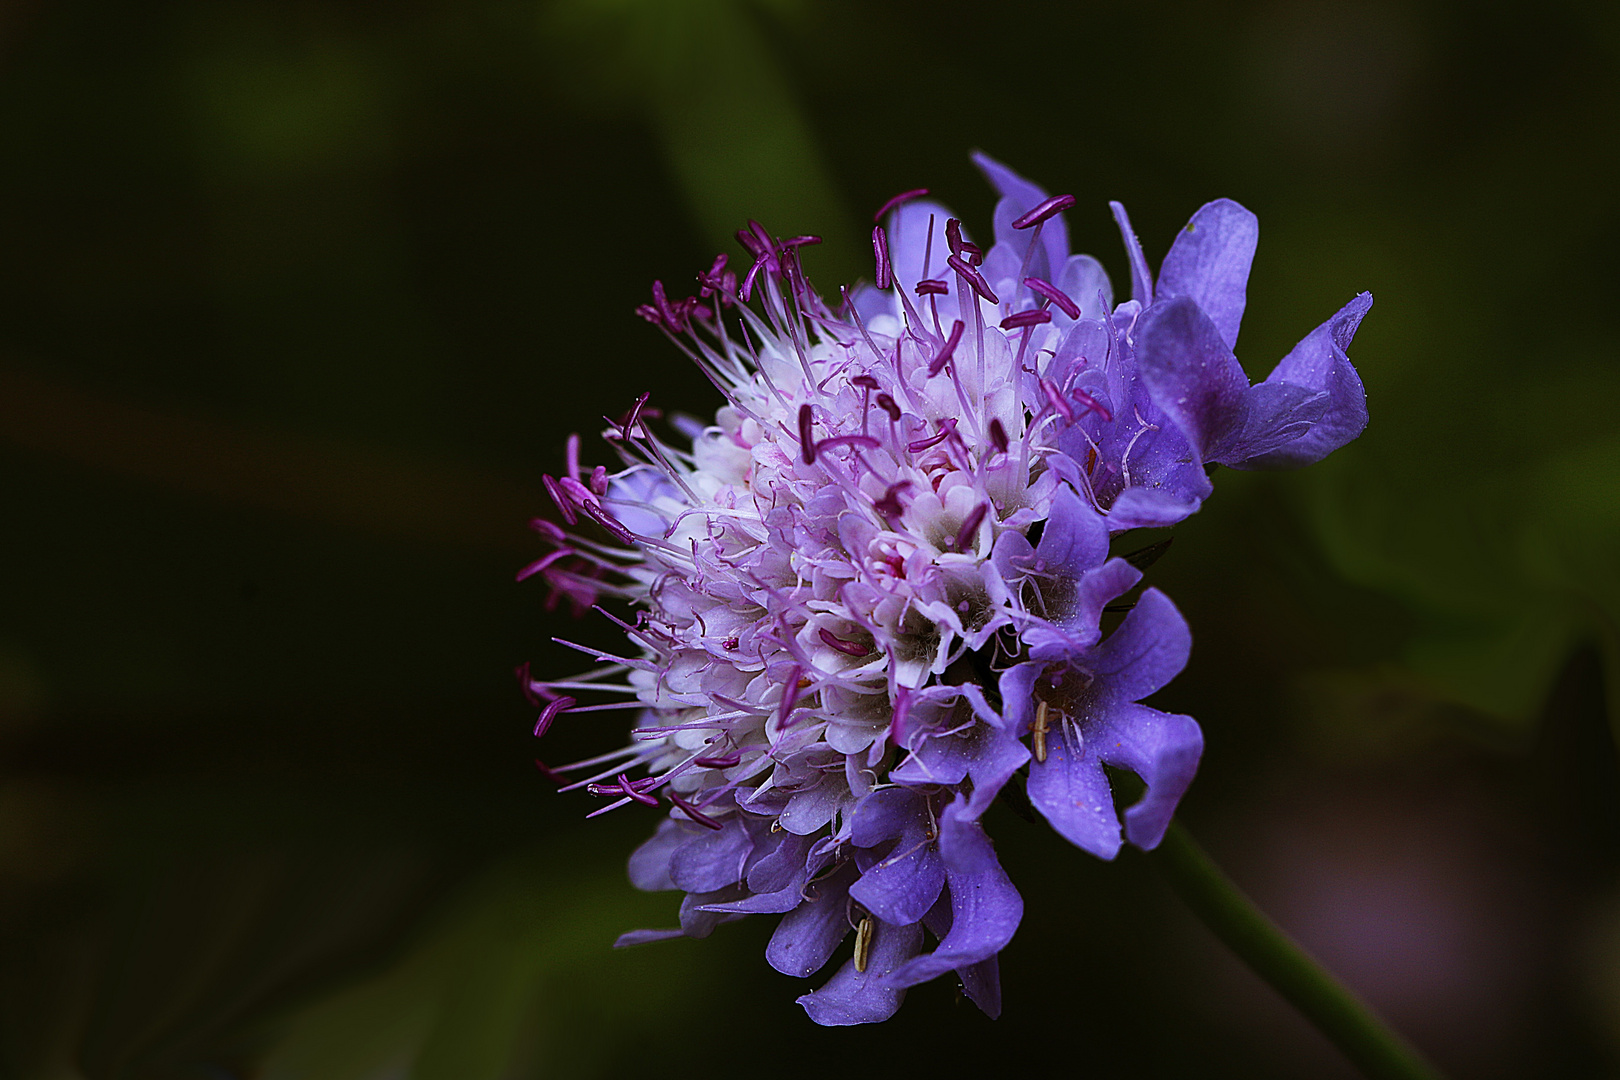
{"points": [[876, 588]]}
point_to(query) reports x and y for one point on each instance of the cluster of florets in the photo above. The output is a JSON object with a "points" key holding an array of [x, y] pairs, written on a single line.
{"points": [[873, 594]]}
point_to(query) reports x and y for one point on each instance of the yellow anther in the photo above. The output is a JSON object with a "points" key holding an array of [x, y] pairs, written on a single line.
{"points": [[1039, 731], [863, 942]]}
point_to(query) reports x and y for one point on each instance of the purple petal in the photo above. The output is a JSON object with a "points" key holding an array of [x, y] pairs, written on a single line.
{"points": [[1074, 539], [701, 912], [908, 242], [1071, 791], [1152, 508], [1320, 362], [784, 863], [887, 815], [866, 997], [902, 887], [713, 860], [1087, 284], [1145, 652], [649, 863], [1192, 375], [1141, 278], [807, 935], [1209, 263], [985, 908], [1163, 749], [981, 983]]}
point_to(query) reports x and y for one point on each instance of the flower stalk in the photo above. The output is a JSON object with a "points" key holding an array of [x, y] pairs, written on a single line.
{"points": [[1371, 1045]]}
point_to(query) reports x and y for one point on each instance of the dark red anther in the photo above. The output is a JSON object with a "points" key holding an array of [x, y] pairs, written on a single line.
{"points": [[1032, 317], [998, 435], [1057, 399], [1040, 212], [880, 251], [636, 789], [599, 480], [970, 527], [564, 507], [724, 761], [974, 278], [693, 812], [628, 422], [904, 196], [953, 235], [947, 428], [554, 708], [540, 564], [807, 440], [651, 314], [932, 287], [943, 357], [714, 278], [889, 506], [848, 648], [1093, 404], [886, 403], [674, 314], [866, 382], [1054, 294], [799, 241]]}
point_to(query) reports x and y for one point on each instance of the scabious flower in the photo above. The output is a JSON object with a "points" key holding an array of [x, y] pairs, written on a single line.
{"points": [[876, 589]]}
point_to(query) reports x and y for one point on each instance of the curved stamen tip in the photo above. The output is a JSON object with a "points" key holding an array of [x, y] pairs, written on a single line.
{"points": [[903, 197], [693, 812], [848, 648], [1043, 210], [554, 708], [807, 441], [1054, 294], [1059, 402], [1032, 317], [974, 278], [944, 355]]}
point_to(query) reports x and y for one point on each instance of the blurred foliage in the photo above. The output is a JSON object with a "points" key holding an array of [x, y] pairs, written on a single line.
{"points": [[300, 299]]}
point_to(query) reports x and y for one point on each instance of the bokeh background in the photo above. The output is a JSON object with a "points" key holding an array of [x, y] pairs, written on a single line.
{"points": [[299, 298]]}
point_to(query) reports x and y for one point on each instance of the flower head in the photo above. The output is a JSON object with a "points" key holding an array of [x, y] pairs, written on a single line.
{"points": [[876, 588]]}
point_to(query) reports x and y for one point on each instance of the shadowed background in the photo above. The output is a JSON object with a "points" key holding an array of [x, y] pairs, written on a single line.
{"points": [[298, 301]]}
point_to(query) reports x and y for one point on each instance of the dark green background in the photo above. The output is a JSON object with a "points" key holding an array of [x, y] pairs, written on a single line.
{"points": [[299, 299]]}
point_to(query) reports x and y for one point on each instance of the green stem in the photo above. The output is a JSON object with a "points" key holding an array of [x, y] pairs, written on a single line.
{"points": [[1367, 1041]]}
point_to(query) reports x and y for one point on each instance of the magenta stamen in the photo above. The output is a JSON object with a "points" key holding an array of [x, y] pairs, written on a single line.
{"points": [[970, 527], [903, 197], [943, 357], [1054, 294], [848, 648], [1037, 214], [998, 435], [596, 513], [571, 454], [635, 789], [932, 287], [651, 314], [886, 403], [1032, 317], [633, 416], [880, 251], [946, 429], [724, 762], [1057, 400], [953, 234], [807, 442], [553, 709], [1093, 404], [548, 530], [790, 694], [848, 440], [540, 564], [564, 507], [549, 773], [713, 280], [866, 382], [693, 812], [799, 242], [599, 481], [974, 278], [889, 506], [674, 314], [526, 683]]}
